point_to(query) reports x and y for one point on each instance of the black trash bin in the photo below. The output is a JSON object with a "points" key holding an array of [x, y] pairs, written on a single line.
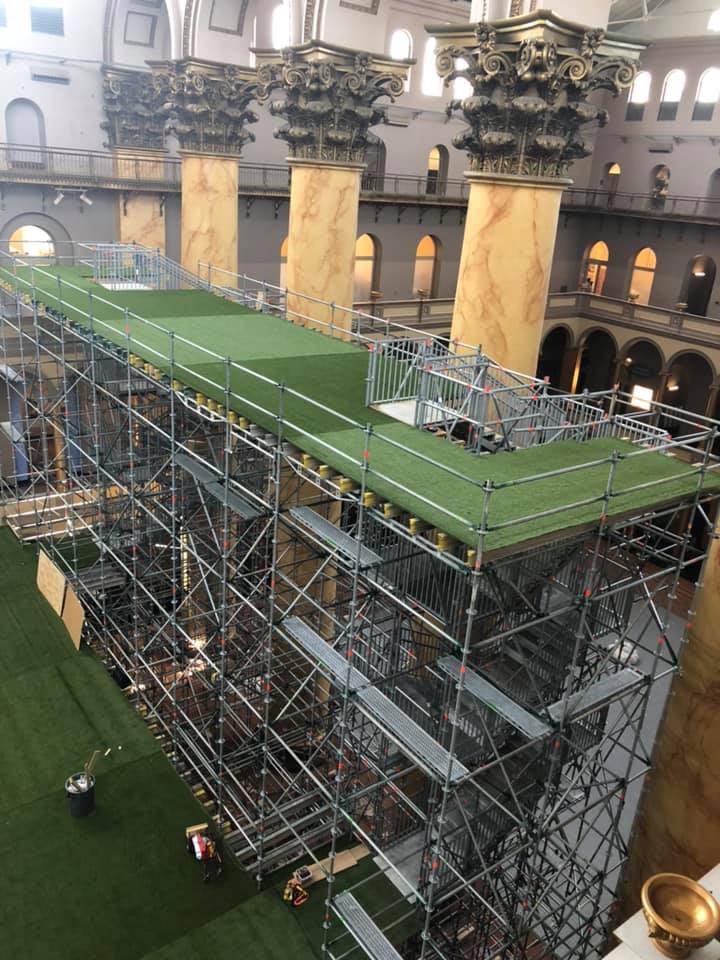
{"points": [[80, 791]]}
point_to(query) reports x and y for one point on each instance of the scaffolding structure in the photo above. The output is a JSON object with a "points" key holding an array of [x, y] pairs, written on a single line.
{"points": [[318, 667]]}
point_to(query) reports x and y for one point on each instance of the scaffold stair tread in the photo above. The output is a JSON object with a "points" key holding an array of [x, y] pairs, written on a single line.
{"points": [[363, 928], [339, 540], [488, 694], [598, 694], [409, 736], [195, 469]]}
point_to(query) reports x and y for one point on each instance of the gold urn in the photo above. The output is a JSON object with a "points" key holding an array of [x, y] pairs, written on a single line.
{"points": [[681, 915]]}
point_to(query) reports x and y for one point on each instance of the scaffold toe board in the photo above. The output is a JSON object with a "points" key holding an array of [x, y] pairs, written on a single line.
{"points": [[490, 696], [363, 928], [598, 694], [214, 486], [321, 651], [338, 541]]}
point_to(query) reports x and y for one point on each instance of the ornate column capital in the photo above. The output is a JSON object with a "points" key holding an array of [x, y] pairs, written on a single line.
{"points": [[134, 103], [531, 77], [207, 104], [328, 97]]}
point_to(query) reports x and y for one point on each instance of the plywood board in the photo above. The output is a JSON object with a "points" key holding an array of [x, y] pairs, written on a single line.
{"points": [[73, 616], [51, 583]]}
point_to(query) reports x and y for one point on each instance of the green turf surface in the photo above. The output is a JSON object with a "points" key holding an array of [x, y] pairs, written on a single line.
{"points": [[117, 885], [432, 479]]}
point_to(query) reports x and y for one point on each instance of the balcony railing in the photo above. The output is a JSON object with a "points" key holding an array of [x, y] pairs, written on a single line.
{"points": [[661, 321], [85, 169]]}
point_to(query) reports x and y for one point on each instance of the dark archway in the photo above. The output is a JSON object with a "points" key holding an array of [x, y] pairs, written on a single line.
{"points": [[640, 372], [698, 285], [375, 159], [690, 376], [598, 362], [552, 355]]}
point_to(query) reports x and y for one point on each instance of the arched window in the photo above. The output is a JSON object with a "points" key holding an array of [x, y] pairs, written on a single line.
{"points": [[595, 268], [708, 94], [672, 92], [698, 285], [24, 123], [643, 275], [638, 96], [366, 266], [401, 48], [432, 85], [462, 88], [612, 177], [280, 26], [714, 21], [31, 241], [437, 169], [426, 263], [373, 177], [283, 262]]}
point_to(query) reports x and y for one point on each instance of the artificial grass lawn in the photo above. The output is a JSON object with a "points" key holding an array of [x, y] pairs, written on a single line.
{"points": [[116, 885], [333, 373]]}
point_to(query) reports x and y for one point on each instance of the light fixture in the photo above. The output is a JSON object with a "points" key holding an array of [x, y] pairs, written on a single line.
{"points": [[673, 387], [628, 360], [59, 197], [86, 199]]}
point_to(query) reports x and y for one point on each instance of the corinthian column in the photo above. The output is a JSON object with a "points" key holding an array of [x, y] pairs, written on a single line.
{"points": [[135, 128], [531, 77], [207, 106], [328, 97]]}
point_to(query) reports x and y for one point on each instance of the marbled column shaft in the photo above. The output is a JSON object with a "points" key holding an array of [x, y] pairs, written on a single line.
{"points": [[678, 825], [324, 202], [505, 269], [140, 220], [210, 214]]}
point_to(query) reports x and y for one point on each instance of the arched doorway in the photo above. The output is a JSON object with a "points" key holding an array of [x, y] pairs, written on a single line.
{"points": [[595, 268], [612, 177], [643, 276], [689, 379], [437, 170], [552, 355], [698, 285], [598, 362], [425, 278], [367, 266], [31, 241], [640, 373]]}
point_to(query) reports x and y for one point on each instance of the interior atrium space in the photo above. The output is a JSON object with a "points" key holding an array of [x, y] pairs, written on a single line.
{"points": [[359, 479]]}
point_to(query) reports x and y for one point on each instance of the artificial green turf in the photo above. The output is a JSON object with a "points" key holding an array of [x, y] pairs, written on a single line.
{"points": [[116, 885], [430, 478]]}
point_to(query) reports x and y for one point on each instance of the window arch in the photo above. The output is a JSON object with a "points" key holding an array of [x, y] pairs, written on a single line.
{"points": [[280, 26], [427, 259], [714, 21], [283, 261], [401, 48], [595, 268], [639, 96], [672, 92], [367, 266], [24, 123], [432, 84], [31, 241], [708, 94], [698, 284], [643, 276], [437, 170]]}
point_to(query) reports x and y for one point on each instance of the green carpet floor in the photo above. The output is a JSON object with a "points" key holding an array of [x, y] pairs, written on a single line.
{"points": [[440, 483], [117, 885]]}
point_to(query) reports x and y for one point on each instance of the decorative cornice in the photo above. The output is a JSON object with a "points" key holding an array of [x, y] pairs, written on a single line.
{"points": [[134, 102], [207, 104], [530, 82], [329, 97]]}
